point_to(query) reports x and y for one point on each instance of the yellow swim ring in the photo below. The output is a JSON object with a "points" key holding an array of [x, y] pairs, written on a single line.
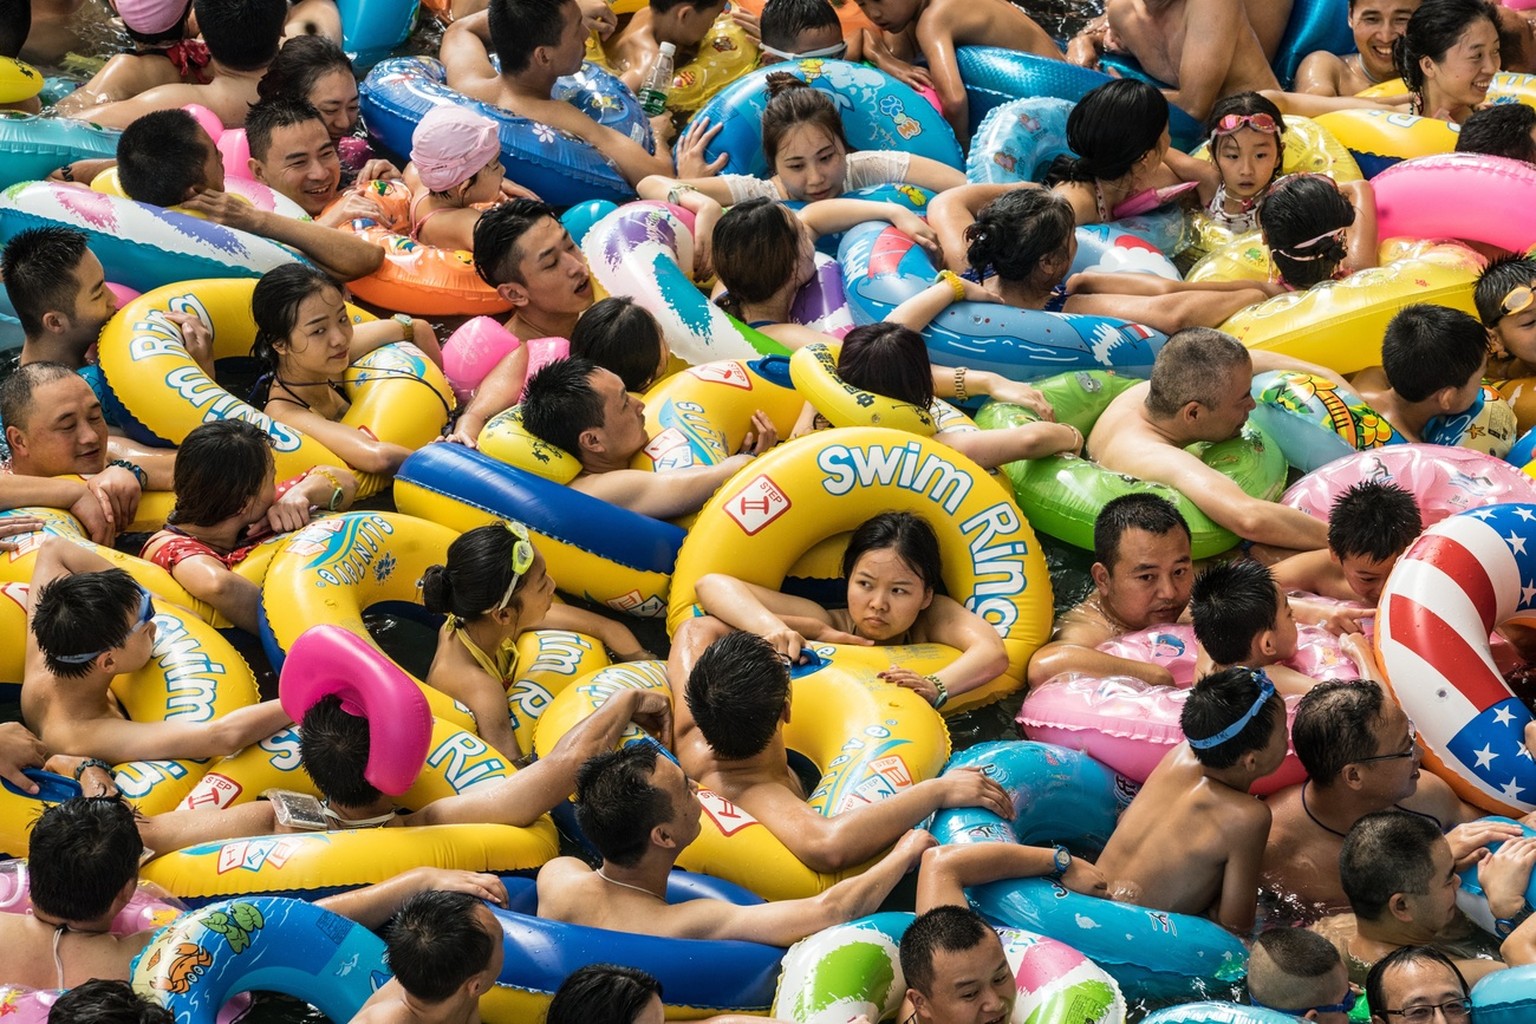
{"points": [[18, 80]]}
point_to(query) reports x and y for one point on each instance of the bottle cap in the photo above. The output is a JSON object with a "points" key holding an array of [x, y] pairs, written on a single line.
{"points": [[670, 49]]}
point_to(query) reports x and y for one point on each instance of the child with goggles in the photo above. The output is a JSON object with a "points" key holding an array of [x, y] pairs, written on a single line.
{"points": [[1247, 146], [1506, 304]]}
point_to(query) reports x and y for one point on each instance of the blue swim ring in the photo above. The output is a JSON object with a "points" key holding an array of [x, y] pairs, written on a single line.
{"points": [[1313, 25], [370, 29], [559, 167], [878, 113], [1019, 140], [882, 268], [1213, 1012], [1506, 997], [32, 147]]}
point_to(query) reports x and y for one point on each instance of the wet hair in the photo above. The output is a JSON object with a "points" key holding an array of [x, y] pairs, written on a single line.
{"points": [[267, 116], [275, 305], [889, 360], [1429, 348], [243, 35], [1296, 209], [1503, 129], [302, 62], [16, 391], [1149, 512], [38, 268], [620, 335], [1435, 27], [518, 27], [948, 929], [1374, 519], [1231, 603], [1220, 700], [736, 693], [1289, 969], [1247, 103], [476, 576], [912, 538], [756, 250], [1335, 726], [16, 25], [559, 403], [1190, 365], [1499, 279], [497, 232], [1018, 229], [793, 103], [81, 613], [617, 805], [663, 6], [1384, 853], [602, 994], [220, 467], [334, 745], [436, 943], [1109, 129], [100, 1001], [1404, 956], [160, 157], [80, 855], [782, 22]]}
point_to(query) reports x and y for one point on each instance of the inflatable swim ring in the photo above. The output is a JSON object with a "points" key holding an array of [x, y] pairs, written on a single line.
{"points": [[869, 739], [18, 80], [397, 394], [1378, 138], [1443, 481], [1062, 494], [1457, 195], [1214, 1012], [1463, 577], [559, 167], [370, 29], [1313, 25], [722, 56], [1507, 996], [32, 147]]}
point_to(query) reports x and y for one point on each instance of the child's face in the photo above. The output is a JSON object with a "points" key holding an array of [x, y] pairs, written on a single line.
{"points": [[1247, 159], [1282, 634], [890, 15], [1517, 331], [694, 23], [1366, 575], [261, 504]]}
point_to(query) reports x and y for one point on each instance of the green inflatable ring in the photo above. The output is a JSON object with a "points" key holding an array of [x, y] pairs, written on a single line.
{"points": [[1062, 495]]}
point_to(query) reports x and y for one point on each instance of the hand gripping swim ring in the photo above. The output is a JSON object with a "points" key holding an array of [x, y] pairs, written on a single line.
{"points": [[193, 965], [878, 113], [327, 660], [397, 394], [1378, 138], [1458, 195], [816, 487], [868, 738], [883, 267], [1461, 579], [1067, 797], [559, 167], [1062, 494], [854, 969], [1443, 481], [32, 147]]}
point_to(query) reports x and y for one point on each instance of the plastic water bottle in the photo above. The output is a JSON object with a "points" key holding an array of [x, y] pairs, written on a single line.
{"points": [[653, 94]]}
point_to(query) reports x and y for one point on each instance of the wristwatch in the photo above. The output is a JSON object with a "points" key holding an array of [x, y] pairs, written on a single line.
{"points": [[1061, 860], [407, 323]]}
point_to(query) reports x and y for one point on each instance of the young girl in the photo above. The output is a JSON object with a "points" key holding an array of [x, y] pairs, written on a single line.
{"points": [[493, 589], [1448, 57], [892, 567], [1247, 143], [455, 170], [306, 341], [891, 360], [1317, 230], [227, 502]]}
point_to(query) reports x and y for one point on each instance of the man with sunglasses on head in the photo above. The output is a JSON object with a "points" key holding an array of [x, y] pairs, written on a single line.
{"points": [[1361, 755]]}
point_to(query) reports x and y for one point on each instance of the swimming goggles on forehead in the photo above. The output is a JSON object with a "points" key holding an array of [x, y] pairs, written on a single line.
{"points": [[1259, 122], [522, 561], [146, 613], [835, 52], [1518, 300], [1266, 691]]}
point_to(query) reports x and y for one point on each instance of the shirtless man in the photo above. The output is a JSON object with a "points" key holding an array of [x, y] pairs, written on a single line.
{"points": [[1141, 577], [1361, 755], [640, 811], [1197, 800], [583, 409], [537, 41], [446, 950], [730, 701], [242, 37], [1199, 391], [1377, 25]]}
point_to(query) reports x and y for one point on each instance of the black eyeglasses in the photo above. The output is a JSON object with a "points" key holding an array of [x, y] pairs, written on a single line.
{"points": [[1413, 748], [1457, 1011]]}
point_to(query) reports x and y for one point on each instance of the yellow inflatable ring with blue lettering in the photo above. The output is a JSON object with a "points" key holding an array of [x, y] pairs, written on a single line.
{"points": [[868, 737], [814, 369], [724, 55], [802, 492], [1378, 138], [397, 393]]}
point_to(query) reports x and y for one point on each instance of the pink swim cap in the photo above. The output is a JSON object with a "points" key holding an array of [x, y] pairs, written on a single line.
{"points": [[151, 17], [451, 144]]}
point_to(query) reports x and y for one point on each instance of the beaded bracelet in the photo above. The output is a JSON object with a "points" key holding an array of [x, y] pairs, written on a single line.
{"points": [[942, 696], [88, 764], [138, 473]]}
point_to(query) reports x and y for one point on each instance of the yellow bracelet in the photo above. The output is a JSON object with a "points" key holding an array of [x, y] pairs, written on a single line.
{"points": [[952, 279], [337, 491], [960, 392]]}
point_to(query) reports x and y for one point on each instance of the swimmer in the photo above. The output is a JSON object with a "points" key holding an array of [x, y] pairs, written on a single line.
{"points": [[607, 994], [292, 153], [99, 1001], [621, 335], [1299, 973], [314, 69], [455, 170], [1318, 230], [227, 503], [494, 588], [1448, 57], [161, 51], [633, 49], [1504, 129], [1377, 25], [892, 569], [445, 951], [802, 30], [1242, 619], [1432, 364], [1246, 134], [1415, 983], [1197, 801], [1505, 297]]}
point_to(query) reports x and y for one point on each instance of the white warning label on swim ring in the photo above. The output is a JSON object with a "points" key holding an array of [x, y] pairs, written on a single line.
{"points": [[730, 373], [757, 504], [670, 450], [728, 818]]}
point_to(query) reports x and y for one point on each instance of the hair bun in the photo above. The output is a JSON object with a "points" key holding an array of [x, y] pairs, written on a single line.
{"points": [[437, 590], [781, 82]]}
